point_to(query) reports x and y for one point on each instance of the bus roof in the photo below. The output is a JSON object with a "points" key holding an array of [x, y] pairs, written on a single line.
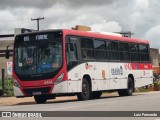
{"points": [[93, 35], [104, 36]]}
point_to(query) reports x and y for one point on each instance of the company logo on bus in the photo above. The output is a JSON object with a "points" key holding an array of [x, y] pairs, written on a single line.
{"points": [[90, 67], [127, 66], [117, 71]]}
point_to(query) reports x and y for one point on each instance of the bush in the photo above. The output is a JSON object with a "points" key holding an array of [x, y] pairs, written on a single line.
{"points": [[9, 87], [157, 86]]}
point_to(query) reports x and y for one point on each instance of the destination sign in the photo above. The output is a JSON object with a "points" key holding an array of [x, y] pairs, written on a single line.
{"points": [[42, 37], [38, 37]]}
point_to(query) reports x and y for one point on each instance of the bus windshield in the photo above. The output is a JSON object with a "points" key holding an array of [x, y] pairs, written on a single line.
{"points": [[36, 58]]}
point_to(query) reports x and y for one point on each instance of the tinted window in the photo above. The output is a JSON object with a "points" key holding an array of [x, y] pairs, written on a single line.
{"points": [[123, 47], [135, 57], [143, 48], [71, 52], [112, 46], [144, 54], [86, 43], [144, 57], [134, 47], [124, 56], [113, 55], [99, 44], [124, 51], [100, 50], [101, 55], [87, 54]]}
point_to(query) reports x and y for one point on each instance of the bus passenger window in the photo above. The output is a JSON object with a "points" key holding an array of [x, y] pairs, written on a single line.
{"points": [[124, 51], [87, 54], [144, 52], [71, 52], [134, 51], [113, 52], [87, 49]]}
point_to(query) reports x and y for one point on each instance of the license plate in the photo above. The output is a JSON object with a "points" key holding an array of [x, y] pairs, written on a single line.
{"points": [[37, 93]]}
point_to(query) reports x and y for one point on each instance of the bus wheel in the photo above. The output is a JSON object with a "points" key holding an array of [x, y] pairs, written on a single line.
{"points": [[96, 95], [129, 90], [39, 99], [85, 94]]}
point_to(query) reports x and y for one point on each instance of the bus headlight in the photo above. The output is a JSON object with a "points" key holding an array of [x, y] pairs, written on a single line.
{"points": [[59, 79], [16, 84]]}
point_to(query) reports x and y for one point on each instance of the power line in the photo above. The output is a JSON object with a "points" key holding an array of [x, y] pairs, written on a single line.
{"points": [[37, 19]]}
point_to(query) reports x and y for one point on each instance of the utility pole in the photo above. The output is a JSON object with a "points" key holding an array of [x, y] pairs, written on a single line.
{"points": [[38, 19]]}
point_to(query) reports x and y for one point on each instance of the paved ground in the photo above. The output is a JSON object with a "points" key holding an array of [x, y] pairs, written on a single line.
{"points": [[138, 102], [9, 101]]}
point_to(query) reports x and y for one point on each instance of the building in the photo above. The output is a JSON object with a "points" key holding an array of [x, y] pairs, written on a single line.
{"points": [[155, 60], [5, 40]]}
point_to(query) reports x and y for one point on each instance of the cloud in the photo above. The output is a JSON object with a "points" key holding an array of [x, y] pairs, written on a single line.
{"points": [[142, 3], [27, 3], [138, 16], [48, 3], [80, 3], [153, 36], [105, 26]]}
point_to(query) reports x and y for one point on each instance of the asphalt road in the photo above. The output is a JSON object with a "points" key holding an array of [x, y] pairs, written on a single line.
{"points": [[137, 102]]}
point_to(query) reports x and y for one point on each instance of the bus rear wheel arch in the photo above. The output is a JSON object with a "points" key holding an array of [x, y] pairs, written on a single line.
{"points": [[130, 88]]}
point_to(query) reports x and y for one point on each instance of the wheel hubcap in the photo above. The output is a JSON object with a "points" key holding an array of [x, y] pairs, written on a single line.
{"points": [[85, 90], [130, 87]]}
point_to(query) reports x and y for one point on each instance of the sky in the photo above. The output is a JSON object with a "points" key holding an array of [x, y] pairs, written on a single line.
{"points": [[138, 16]]}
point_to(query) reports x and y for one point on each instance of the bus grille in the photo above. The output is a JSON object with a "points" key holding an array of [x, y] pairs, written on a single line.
{"points": [[32, 90]]}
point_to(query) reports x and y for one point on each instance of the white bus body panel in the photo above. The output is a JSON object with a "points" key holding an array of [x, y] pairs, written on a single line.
{"points": [[17, 91], [103, 75], [107, 76], [60, 88]]}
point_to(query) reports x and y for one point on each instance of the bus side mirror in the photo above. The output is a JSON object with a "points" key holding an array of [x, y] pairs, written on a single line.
{"points": [[7, 54]]}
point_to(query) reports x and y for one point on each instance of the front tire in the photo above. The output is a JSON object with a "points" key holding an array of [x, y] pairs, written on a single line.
{"points": [[85, 94], [130, 89], [40, 99]]}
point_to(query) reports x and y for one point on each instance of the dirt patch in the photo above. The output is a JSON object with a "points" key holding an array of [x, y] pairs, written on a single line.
{"points": [[9, 101]]}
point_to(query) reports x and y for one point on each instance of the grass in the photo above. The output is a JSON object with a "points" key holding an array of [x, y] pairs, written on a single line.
{"points": [[142, 90], [8, 87], [136, 90]]}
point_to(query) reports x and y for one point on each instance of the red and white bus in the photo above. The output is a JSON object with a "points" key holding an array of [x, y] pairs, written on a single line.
{"points": [[52, 63]]}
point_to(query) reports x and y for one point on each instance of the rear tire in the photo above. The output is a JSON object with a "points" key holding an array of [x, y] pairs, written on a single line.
{"points": [[39, 99], [85, 94], [130, 89]]}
